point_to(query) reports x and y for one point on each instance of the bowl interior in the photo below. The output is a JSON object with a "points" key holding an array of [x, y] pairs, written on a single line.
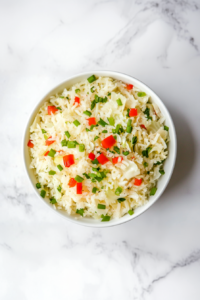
{"points": [[168, 165]]}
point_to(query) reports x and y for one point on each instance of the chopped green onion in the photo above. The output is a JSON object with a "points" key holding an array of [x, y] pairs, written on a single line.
{"points": [[95, 169], [96, 138], [38, 185], [46, 137], [159, 162], [118, 191], [147, 113], [93, 180], [102, 123], [59, 188], [51, 153], [77, 91], [121, 200], [95, 162], [71, 144], [102, 187], [93, 175], [42, 193], [81, 148], [129, 129], [141, 94], [130, 212], [111, 121], [166, 128], [91, 78], [162, 172], [94, 190], [93, 103], [134, 141], [76, 123], [61, 97], [87, 113], [44, 131], [105, 218], [129, 122], [128, 111], [64, 143], [153, 191], [145, 164], [52, 200], [116, 149], [86, 175], [148, 172], [101, 206], [92, 89], [87, 129], [80, 211], [58, 108], [104, 131], [119, 129], [51, 172], [67, 134], [110, 151], [113, 130], [125, 153], [109, 94], [78, 178], [146, 152], [119, 102], [60, 168], [115, 137]]}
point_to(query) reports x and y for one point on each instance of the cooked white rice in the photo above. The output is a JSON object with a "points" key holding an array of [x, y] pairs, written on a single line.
{"points": [[135, 165]]}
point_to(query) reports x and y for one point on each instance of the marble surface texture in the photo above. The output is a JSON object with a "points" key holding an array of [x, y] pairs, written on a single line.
{"points": [[43, 256]]}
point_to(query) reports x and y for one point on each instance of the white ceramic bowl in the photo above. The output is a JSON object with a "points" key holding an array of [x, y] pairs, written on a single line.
{"points": [[169, 164]]}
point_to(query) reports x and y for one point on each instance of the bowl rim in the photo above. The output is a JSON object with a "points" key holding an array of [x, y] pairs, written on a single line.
{"points": [[145, 207]]}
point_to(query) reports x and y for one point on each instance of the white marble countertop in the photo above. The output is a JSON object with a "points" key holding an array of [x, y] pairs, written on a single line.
{"points": [[156, 256]]}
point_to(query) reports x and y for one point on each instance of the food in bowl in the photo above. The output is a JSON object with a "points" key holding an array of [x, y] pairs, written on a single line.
{"points": [[98, 148]]}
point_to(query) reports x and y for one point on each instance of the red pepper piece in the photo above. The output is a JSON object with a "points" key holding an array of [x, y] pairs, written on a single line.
{"points": [[46, 153], [76, 100], [49, 142], [91, 121], [52, 110], [137, 181], [30, 144], [117, 159], [129, 87], [108, 142], [72, 182], [79, 188], [91, 156], [102, 159], [68, 160], [133, 112], [142, 126]]}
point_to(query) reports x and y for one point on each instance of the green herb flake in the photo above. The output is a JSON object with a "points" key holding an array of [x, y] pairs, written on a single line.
{"points": [[94, 190], [59, 188], [51, 172], [91, 79], [118, 191], [101, 206], [141, 94], [52, 200], [153, 191], [80, 211], [121, 200], [130, 212], [76, 123], [67, 134], [60, 168], [51, 153], [42, 193], [64, 143], [38, 185], [78, 178]]}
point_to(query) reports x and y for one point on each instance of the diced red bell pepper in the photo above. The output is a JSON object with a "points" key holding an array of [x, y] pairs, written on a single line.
{"points": [[142, 126], [91, 156], [133, 112], [117, 159], [79, 188], [76, 100], [46, 153], [30, 144], [129, 87], [137, 181], [91, 121], [68, 160], [102, 159], [49, 142], [72, 182], [108, 142], [52, 110]]}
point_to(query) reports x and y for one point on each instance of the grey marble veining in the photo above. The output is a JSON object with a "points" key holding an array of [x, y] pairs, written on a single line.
{"points": [[156, 256]]}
